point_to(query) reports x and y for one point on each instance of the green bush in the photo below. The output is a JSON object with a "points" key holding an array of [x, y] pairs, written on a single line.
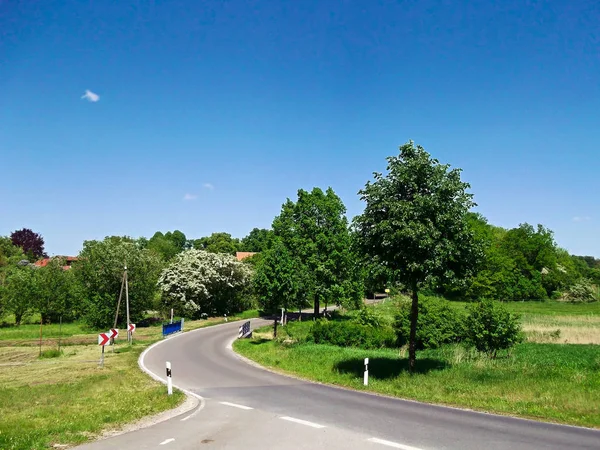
{"points": [[582, 291], [350, 334], [367, 317], [437, 323], [489, 327]]}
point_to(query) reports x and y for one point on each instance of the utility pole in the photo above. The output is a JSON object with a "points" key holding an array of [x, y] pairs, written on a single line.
{"points": [[127, 305], [112, 340]]}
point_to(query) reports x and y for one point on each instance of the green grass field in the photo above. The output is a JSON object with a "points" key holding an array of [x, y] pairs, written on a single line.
{"points": [[554, 381], [69, 399]]}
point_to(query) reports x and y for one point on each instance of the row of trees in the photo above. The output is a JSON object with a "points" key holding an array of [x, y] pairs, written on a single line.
{"points": [[523, 263], [162, 273], [310, 259], [170, 244], [417, 232]]}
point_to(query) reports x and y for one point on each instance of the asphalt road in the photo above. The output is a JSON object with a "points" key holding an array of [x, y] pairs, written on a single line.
{"points": [[245, 407]]}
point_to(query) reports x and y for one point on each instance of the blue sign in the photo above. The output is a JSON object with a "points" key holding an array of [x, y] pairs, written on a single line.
{"points": [[170, 328]]}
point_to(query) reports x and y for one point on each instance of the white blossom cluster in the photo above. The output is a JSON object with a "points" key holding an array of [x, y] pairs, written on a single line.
{"points": [[197, 280]]}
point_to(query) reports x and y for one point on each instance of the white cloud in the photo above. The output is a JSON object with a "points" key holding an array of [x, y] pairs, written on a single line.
{"points": [[90, 96], [581, 218], [208, 186], [190, 197]]}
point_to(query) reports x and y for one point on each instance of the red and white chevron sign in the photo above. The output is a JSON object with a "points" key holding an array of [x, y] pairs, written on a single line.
{"points": [[103, 338], [113, 333], [131, 327]]}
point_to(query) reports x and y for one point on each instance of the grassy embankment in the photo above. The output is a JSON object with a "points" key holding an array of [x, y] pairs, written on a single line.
{"points": [[69, 399], [544, 377]]}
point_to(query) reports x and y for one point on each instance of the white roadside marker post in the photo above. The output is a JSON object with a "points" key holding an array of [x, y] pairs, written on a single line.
{"points": [[366, 378], [225, 317], [169, 380]]}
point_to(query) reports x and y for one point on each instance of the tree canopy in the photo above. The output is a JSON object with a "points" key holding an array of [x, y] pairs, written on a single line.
{"points": [[10, 254], [218, 243], [258, 240], [415, 223], [198, 282], [315, 232], [31, 243], [276, 279], [167, 245], [99, 272]]}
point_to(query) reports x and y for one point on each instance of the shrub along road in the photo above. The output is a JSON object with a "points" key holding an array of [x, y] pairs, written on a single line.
{"points": [[250, 407]]}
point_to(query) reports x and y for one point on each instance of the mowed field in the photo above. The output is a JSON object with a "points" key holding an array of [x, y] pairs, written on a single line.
{"points": [[554, 375], [65, 398]]}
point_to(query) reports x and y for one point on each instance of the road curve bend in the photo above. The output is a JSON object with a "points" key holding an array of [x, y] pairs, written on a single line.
{"points": [[247, 407]]}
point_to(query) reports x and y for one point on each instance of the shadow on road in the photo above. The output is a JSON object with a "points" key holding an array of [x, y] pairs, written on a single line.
{"points": [[386, 368]]}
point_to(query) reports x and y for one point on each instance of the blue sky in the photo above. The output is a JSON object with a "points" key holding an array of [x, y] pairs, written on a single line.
{"points": [[209, 114]]}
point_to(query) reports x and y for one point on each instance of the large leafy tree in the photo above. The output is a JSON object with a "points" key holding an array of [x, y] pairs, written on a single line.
{"points": [[167, 245], [315, 232], [522, 263], [218, 243], [99, 272], [56, 291], [198, 282], [258, 240], [10, 254], [31, 243], [18, 292], [415, 223], [276, 280], [534, 253]]}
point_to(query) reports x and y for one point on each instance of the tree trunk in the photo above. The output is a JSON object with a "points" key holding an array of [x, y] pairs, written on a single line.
{"points": [[414, 315], [275, 326], [317, 307]]}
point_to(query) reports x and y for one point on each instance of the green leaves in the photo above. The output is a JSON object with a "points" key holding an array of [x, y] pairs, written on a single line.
{"points": [[258, 240], [439, 323], [490, 327], [218, 243], [314, 230], [277, 281], [99, 272], [415, 224], [167, 245], [415, 219]]}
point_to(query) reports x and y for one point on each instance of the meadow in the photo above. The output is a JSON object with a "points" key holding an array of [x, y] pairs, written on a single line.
{"points": [[552, 376]]}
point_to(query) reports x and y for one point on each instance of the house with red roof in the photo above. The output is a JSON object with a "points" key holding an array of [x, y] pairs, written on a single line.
{"points": [[68, 261]]}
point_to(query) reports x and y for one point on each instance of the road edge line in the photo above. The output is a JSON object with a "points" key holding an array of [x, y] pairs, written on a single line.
{"points": [[401, 399]]}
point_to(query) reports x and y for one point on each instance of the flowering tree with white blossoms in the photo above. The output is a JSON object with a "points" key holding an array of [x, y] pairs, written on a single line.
{"points": [[197, 282]]}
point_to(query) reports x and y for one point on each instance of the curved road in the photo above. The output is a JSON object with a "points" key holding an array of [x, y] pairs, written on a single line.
{"points": [[245, 407]]}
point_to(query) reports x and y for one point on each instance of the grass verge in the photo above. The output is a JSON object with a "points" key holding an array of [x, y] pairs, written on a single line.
{"points": [[558, 383], [64, 398], [69, 399]]}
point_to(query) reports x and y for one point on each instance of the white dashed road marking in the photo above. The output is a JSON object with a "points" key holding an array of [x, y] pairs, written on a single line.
{"points": [[303, 422], [166, 441], [235, 405], [392, 444]]}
